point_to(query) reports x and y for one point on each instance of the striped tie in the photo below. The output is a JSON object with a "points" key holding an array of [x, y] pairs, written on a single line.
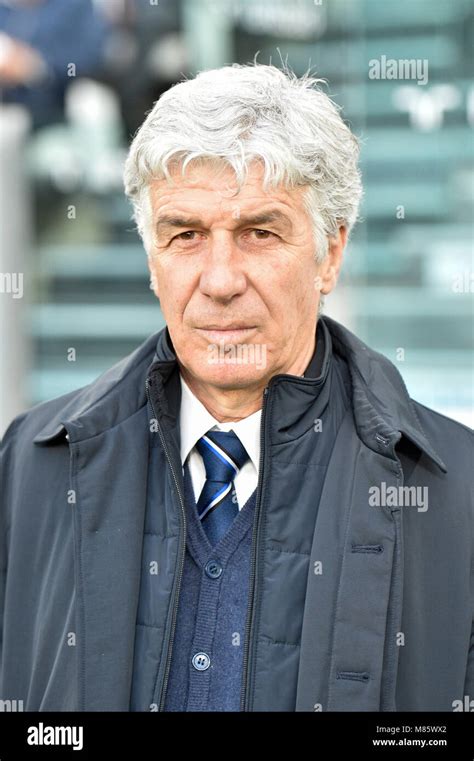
{"points": [[223, 455]]}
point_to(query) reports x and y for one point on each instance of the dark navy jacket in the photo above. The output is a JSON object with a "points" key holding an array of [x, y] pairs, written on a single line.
{"points": [[388, 599], [212, 612]]}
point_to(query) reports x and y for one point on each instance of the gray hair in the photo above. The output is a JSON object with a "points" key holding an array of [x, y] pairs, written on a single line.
{"points": [[241, 113]]}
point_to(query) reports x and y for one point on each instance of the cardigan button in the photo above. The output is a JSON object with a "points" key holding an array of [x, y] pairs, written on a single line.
{"points": [[213, 569], [201, 661]]}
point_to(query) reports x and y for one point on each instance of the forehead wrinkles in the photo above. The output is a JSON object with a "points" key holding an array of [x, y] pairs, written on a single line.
{"points": [[212, 206]]}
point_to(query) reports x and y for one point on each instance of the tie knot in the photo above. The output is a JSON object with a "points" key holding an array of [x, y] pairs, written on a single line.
{"points": [[223, 454]]}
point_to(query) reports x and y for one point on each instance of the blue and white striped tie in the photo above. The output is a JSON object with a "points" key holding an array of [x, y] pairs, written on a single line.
{"points": [[223, 454]]}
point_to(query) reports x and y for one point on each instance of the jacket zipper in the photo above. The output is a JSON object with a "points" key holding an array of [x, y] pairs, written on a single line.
{"points": [[244, 699], [182, 557]]}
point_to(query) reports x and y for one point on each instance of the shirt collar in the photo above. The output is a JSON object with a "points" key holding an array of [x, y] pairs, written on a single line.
{"points": [[196, 420]]}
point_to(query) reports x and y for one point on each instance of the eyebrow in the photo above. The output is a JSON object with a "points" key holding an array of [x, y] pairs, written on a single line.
{"points": [[170, 221]]}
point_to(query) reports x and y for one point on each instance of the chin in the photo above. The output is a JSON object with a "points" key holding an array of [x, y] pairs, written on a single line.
{"points": [[220, 372]]}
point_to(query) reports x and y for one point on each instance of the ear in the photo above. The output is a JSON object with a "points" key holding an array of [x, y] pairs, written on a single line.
{"points": [[153, 278], [331, 266]]}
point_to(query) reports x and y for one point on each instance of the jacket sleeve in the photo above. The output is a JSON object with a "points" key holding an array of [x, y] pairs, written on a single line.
{"points": [[469, 683], [6, 458]]}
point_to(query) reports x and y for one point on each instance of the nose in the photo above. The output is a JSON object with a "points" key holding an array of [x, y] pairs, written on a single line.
{"points": [[222, 277]]}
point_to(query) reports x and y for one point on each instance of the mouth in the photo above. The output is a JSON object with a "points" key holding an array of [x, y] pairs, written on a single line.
{"points": [[228, 334]]}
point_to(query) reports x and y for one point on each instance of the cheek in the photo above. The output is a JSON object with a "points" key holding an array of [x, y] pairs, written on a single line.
{"points": [[175, 283], [286, 285]]}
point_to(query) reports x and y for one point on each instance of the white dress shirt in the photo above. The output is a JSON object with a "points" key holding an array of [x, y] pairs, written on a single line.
{"points": [[195, 421]]}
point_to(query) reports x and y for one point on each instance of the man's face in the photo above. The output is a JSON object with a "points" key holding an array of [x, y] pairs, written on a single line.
{"points": [[236, 276]]}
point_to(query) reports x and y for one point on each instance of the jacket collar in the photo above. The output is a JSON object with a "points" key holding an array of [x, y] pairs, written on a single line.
{"points": [[381, 403], [383, 410], [113, 397]]}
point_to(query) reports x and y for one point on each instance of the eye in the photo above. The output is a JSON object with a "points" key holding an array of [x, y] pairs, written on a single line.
{"points": [[186, 235], [262, 234]]}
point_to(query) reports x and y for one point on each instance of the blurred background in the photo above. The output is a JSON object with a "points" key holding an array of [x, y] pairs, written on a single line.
{"points": [[77, 78]]}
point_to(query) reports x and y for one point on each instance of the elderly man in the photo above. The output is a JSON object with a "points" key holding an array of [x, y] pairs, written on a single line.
{"points": [[248, 513]]}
